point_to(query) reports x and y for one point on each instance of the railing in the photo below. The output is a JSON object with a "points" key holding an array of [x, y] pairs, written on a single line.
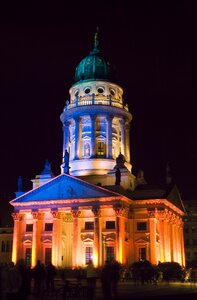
{"points": [[95, 100]]}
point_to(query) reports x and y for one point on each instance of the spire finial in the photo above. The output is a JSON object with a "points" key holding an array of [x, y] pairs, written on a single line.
{"points": [[20, 184], [47, 168], [96, 40]]}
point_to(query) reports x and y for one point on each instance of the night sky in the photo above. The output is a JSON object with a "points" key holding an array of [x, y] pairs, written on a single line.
{"points": [[151, 44]]}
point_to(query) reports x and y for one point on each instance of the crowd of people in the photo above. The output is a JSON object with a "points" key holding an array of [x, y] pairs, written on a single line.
{"points": [[16, 280]]}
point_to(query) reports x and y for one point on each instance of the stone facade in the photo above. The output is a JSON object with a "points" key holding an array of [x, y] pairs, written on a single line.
{"points": [[86, 212]]}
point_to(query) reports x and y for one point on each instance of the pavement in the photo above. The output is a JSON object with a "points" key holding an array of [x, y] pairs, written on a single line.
{"points": [[128, 290]]}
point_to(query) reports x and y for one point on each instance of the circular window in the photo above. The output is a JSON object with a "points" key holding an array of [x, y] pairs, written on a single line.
{"points": [[87, 90], [100, 90], [112, 92]]}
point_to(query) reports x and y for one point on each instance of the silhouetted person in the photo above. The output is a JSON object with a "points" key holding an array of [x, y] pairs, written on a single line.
{"points": [[25, 274], [115, 277], [39, 277], [80, 275], [91, 276], [50, 275], [118, 176], [106, 280], [13, 282]]}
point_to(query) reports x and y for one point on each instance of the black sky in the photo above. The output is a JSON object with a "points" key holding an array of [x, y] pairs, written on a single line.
{"points": [[152, 45]]}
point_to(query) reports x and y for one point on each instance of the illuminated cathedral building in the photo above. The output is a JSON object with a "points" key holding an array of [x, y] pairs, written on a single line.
{"points": [[96, 208]]}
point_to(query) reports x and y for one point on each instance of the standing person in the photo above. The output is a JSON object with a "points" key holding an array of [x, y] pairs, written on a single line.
{"points": [[106, 280], [13, 282], [25, 274], [39, 276], [91, 276], [50, 275], [115, 277]]}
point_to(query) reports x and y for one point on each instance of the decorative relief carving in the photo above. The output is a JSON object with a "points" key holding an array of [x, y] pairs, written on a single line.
{"points": [[16, 216], [96, 211], [35, 214], [68, 217], [161, 213], [87, 238], [76, 213], [121, 211], [56, 214], [151, 213]]}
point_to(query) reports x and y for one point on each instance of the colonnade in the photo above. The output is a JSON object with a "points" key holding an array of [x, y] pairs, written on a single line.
{"points": [[166, 230], [124, 136], [36, 239]]}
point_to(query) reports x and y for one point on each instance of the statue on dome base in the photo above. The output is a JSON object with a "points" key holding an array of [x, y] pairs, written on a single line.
{"points": [[66, 162]]}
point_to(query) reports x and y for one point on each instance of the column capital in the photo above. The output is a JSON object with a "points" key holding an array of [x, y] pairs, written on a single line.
{"points": [[35, 214], [121, 211], [76, 213], [151, 213], [16, 216], [56, 214], [96, 211]]}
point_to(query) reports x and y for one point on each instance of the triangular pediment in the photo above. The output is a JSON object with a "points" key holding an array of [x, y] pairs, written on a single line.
{"points": [[142, 241], [63, 187]]}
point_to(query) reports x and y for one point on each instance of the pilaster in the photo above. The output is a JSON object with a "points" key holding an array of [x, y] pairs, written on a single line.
{"points": [[109, 136]]}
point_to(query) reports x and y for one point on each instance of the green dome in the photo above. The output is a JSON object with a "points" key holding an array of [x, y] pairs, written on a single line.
{"points": [[93, 66]]}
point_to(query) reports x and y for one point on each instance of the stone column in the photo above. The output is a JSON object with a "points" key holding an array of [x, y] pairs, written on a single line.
{"points": [[120, 233], [56, 239], [179, 249], [109, 136], [160, 215], [152, 226], [174, 238], [34, 239], [75, 213], [166, 240], [182, 247], [122, 126], [76, 156], [15, 245], [127, 141], [93, 135], [97, 237]]}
